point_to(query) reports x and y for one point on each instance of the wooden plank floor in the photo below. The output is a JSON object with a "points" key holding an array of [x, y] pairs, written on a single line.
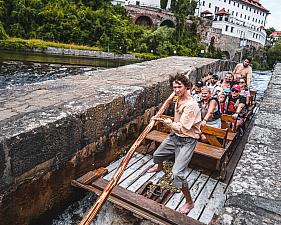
{"points": [[208, 194]]}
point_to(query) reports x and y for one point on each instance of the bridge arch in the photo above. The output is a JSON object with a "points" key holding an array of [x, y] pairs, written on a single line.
{"points": [[168, 23], [144, 20], [226, 55]]}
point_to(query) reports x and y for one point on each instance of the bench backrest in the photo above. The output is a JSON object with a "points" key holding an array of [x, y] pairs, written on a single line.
{"points": [[253, 94], [215, 136], [226, 120]]}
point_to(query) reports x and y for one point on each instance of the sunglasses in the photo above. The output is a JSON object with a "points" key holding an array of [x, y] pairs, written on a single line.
{"points": [[242, 82], [234, 90]]}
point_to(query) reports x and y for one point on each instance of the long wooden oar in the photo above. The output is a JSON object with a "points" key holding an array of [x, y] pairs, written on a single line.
{"points": [[116, 177]]}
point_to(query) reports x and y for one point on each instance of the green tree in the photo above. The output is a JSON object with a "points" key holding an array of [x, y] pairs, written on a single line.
{"points": [[3, 34], [269, 31], [181, 10], [163, 4], [274, 54]]}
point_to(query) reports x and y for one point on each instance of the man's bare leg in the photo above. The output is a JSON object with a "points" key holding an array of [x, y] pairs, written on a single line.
{"points": [[188, 205], [155, 168]]}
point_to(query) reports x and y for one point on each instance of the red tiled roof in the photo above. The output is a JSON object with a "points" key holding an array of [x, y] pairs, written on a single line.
{"points": [[276, 34], [255, 3], [222, 12]]}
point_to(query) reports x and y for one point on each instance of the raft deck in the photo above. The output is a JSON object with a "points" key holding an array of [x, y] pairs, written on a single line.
{"points": [[208, 193]]}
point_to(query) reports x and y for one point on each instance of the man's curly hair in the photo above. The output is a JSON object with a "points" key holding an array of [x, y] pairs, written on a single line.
{"points": [[180, 78]]}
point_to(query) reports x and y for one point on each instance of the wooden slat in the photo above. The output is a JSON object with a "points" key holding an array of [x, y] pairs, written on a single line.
{"points": [[196, 189], [216, 202], [130, 170], [130, 179], [139, 182], [140, 205], [177, 197], [231, 136], [209, 150], [135, 159], [92, 175], [202, 199]]}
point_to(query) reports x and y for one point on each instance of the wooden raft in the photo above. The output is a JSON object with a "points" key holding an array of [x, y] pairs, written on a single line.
{"points": [[208, 193]]}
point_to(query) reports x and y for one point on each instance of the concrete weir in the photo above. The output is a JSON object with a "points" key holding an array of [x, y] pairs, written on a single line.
{"points": [[254, 195], [54, 131]]}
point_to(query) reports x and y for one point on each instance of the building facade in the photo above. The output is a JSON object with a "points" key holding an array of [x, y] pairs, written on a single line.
{"points": [[244, 19]]}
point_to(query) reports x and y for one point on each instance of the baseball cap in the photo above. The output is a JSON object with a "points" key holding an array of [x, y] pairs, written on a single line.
{"points": [[236, 87], [199, 84]]}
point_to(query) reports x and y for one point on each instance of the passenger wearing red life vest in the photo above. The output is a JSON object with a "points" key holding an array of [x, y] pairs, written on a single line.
{"points": [[235, 104]]}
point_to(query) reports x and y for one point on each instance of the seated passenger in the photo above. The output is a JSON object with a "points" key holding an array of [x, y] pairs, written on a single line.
{"points": [[196, 92], [210, 109], [235, 105], [214, 85], [227, 81], [221, 98], [244, 90]]}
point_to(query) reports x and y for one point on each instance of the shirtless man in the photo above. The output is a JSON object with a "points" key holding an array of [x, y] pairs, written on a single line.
{"points": [[182, 140], [244, 70]]}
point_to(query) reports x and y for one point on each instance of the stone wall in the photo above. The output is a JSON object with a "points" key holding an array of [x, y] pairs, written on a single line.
{"points": [[229, 45], [54, 131], [254, 195]]}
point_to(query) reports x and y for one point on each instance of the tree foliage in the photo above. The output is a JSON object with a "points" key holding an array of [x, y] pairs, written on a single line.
{"points": [[98, 23], [274, 54]]}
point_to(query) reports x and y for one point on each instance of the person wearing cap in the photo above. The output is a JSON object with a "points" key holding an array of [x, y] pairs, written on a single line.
{"points": [[244, 70], [196, 92], [235, 104]]}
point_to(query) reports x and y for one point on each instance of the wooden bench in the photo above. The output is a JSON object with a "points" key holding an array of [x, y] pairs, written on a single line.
{"points": [[228, 122], [209, 155]]}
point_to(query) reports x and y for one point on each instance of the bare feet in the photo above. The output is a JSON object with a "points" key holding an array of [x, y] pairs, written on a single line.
{"points": [[155, 168], [186, 208]]}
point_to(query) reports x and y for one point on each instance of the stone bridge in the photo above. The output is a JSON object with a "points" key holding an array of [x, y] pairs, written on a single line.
{"points": [[150, 16]]}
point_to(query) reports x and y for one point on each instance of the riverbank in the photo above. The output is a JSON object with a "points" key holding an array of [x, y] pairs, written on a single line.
{"points": [[54, 48]]}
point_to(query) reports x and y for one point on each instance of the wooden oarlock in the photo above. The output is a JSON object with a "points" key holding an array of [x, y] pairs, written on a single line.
{"points": [[90, 215]]}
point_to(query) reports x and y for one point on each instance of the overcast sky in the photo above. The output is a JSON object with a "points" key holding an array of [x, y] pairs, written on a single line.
{"points": [[274, 19]]}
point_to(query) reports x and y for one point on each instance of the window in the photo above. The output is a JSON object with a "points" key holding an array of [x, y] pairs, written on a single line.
{"points": [[226, 28], [242, 6], [231, 29], [138, 3], [203, 3], [236, 13], [229, 1], [232, 13], [210, 5], [241, 15], [238, 5], [248, 17], [234, 3], [216, 9]]}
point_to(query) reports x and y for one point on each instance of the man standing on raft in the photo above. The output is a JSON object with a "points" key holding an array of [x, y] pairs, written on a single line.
{"points": [[181, 142]]}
